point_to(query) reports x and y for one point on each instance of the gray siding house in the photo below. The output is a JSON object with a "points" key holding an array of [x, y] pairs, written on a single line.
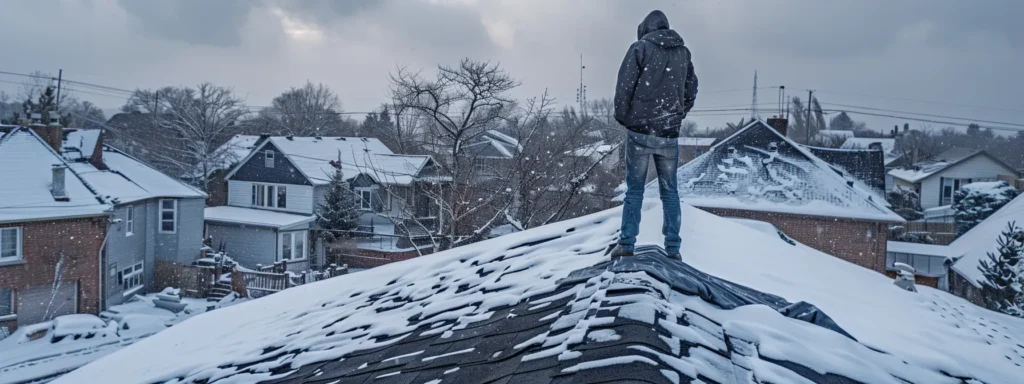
{"points": [[273, 195], [156, 218]]}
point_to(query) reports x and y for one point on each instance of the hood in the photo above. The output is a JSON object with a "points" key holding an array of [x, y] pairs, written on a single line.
{"points": [[655, 28]]}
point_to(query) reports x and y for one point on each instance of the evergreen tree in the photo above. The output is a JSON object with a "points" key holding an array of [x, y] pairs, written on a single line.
{"points": [[1004, 274], [905, 203], [973, 203], [340, 209]]}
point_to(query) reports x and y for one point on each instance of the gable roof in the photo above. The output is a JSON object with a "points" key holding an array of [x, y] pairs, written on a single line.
{"points": [[546, 305], [980, 240], [942, 161], [125, 179], [745, 172], [865, 165], [888, 144], [313, 156], [236, 149], [26, 168]]}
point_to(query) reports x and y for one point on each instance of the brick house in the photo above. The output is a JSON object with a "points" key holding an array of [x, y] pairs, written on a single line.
{"points": [[52, 231], [759, 174]]}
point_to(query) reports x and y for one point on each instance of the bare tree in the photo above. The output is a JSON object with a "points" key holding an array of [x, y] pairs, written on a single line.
{"points": [[311, 110], [192, 124], [917, 145]]}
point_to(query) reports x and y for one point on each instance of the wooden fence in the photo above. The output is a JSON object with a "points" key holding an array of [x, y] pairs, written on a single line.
{"points": [[261, 283]]}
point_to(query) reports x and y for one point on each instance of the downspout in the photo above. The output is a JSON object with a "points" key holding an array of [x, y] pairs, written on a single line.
{"points": [[102, 267]]}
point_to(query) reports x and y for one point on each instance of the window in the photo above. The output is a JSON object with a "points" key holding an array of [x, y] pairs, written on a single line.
{"points": [[131, 278], [10, 244], [365, 199], [950, 187], [268, 158], [269, 196], [168, 216], [6, 302], [698, 152], [293, 245], [129, 221]]}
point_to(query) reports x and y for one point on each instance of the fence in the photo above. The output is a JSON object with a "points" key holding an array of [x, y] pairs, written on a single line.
{"points": [[194, 280], [261, 283], [942, 232]]}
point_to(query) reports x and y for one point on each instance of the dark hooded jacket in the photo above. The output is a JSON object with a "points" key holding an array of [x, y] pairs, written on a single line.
{"points": [[656, 85]]}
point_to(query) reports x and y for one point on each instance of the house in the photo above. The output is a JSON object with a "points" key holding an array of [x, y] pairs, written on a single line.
{"points": [[229, 154], [157, 219], [975, 245], [52, 230], [274, 192], [864, 165], [938, 179], [693, 147], [760, 174], [546, 305], [606, 154]]}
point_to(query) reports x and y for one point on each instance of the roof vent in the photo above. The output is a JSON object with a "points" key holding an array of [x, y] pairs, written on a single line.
{"points": [[290, 137], [318, 137], [365, 139], [341, 138], [773, 146], [57, 186]]}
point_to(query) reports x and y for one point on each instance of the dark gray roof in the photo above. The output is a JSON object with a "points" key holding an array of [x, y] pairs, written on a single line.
{"points": [[866, 165]]}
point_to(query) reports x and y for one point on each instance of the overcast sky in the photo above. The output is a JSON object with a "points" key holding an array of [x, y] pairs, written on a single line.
{"points": [[963, 58]]}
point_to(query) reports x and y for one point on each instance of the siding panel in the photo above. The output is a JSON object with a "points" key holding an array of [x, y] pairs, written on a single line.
{"points": [[282, 172], [239, 193], [978, 167], [124, 250], [245, 244]]}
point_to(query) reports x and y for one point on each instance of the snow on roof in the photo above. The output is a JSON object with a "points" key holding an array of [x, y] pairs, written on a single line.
{"points": [[506, 139], [545, 304], [758, 169], [596, 149], [696, 141], [980, 240], [236, 149], [836, 133], [26, 168], [257, 217], [920, 249], [313, 157], [927, 168], [80, 143], [888, 144]]}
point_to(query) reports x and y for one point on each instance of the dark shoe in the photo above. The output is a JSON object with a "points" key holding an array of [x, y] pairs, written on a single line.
{"points": [[619, 250], [676, 256]]}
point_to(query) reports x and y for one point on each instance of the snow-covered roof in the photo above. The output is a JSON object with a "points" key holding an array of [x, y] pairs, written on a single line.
{"points": [[26, 171], [126, 179], [758, 169], [888, 144], [257, 217], [980, 240], [359, 155], [836, 133], [696, 141], [921, 249], [236, 149], [547, 305], [949, 158], [596, 150]]}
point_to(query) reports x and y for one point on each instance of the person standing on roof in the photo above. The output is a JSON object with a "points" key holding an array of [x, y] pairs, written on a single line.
{"points": [[656, 88]]}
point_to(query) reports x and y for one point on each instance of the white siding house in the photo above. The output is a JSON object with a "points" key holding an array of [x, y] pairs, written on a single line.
{"points": [[938, 179]]}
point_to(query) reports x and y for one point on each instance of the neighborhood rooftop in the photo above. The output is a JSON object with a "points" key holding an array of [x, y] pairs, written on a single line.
{"points": [[256, 217], [28, 187], [924, 169], [758, 169], [546, 305]]}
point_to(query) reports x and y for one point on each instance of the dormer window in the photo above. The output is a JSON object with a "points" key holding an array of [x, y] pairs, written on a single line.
{"points": [[268, 158]]}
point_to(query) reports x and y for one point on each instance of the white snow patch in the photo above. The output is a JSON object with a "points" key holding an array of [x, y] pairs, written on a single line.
{"points": [[609, 362]]}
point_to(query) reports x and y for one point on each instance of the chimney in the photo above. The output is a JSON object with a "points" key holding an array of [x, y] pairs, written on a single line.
{"points": [[57, 187], [97, 153], [780, 124], [52, 134], [876, 146]]}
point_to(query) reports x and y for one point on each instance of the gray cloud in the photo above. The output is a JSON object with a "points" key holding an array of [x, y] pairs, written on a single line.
{"points": [[201, 22]]}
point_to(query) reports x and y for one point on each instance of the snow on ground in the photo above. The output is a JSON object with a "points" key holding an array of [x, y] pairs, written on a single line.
{"points": [[916, 335], [68, 342]]}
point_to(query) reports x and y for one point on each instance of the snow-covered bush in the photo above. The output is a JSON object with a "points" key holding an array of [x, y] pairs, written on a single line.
{"points": [[974, 202], [905, 203], [1004, 274], [899, 233]]}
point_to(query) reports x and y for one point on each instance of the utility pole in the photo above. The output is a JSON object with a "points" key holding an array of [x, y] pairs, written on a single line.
{"points": [[807, 123], [581, 92], [60, 75], [753, 102]]}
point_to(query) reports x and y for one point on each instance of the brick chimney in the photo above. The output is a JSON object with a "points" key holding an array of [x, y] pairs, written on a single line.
{"points": [[780, 124], [97, 153], [52, 134]]}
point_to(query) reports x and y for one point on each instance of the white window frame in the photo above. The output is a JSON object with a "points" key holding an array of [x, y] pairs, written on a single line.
{"points": [[955, 184], [129, 221], [18, 255], [265, 195], [160, 216], [133, 278], [292, 235], [365, 203], [268, 158]]}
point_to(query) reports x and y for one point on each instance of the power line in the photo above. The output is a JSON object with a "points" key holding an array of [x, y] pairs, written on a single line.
{"points": [[918, 119], [922, 101], [926, 114]]}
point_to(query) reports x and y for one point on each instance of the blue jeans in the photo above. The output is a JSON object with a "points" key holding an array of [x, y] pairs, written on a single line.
{"points": [[639, 150]]}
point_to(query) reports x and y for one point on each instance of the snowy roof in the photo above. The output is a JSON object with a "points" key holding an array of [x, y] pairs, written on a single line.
{"points": [[863, 165], [836, 133], [596, 149], [949, 158], [359, 155], [126, 179], [503, 145], [920, 249], [26, 168], [696, 141], [236, 149], [980, 240], [80, 143], [758, 169], [257, 217], [546, 305], [888, 144]]}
